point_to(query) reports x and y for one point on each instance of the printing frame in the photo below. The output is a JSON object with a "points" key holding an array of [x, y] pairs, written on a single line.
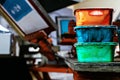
{"points": [[42, 13]]}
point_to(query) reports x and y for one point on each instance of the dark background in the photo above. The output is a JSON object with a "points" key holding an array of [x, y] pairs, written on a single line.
{"points": [[52, 5]]}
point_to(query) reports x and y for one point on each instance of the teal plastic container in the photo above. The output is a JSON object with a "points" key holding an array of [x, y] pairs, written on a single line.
{"points": [[95, 51], [95, 34]]}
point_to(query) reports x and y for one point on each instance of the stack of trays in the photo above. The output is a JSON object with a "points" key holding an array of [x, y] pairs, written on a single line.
{"points": [[94, 35]]}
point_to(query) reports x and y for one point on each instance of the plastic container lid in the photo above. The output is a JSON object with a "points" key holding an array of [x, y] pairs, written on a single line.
{"points": [[111, 9], [95, 43], [95, 26]]}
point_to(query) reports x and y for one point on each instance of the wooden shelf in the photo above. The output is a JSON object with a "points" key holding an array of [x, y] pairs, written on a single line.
{"points": [[93, 66]]}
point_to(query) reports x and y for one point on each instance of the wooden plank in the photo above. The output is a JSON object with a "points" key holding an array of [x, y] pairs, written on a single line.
{"points": [[54, 68]]}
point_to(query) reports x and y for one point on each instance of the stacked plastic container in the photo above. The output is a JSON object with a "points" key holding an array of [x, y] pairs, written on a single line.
{"points": [[94, 35]]}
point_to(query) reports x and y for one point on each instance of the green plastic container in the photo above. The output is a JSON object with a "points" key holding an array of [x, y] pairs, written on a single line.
{"points": [[95, 51]]}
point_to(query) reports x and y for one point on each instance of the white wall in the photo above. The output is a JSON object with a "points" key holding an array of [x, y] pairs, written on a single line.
{"points": [[115, 4]]}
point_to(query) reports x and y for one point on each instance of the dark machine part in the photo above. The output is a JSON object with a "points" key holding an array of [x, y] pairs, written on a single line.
{"points": [[24, 49], [33, 57]]}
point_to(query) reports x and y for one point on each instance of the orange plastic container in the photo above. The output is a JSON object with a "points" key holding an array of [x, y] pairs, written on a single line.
{"points": [[93, 16]]}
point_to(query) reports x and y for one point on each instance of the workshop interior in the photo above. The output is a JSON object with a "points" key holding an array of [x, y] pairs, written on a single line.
{"points": [[59, 39]]}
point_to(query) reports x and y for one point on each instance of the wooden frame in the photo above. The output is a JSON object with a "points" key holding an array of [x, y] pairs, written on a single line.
{"points": [[26, 17], [63, 34]]}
